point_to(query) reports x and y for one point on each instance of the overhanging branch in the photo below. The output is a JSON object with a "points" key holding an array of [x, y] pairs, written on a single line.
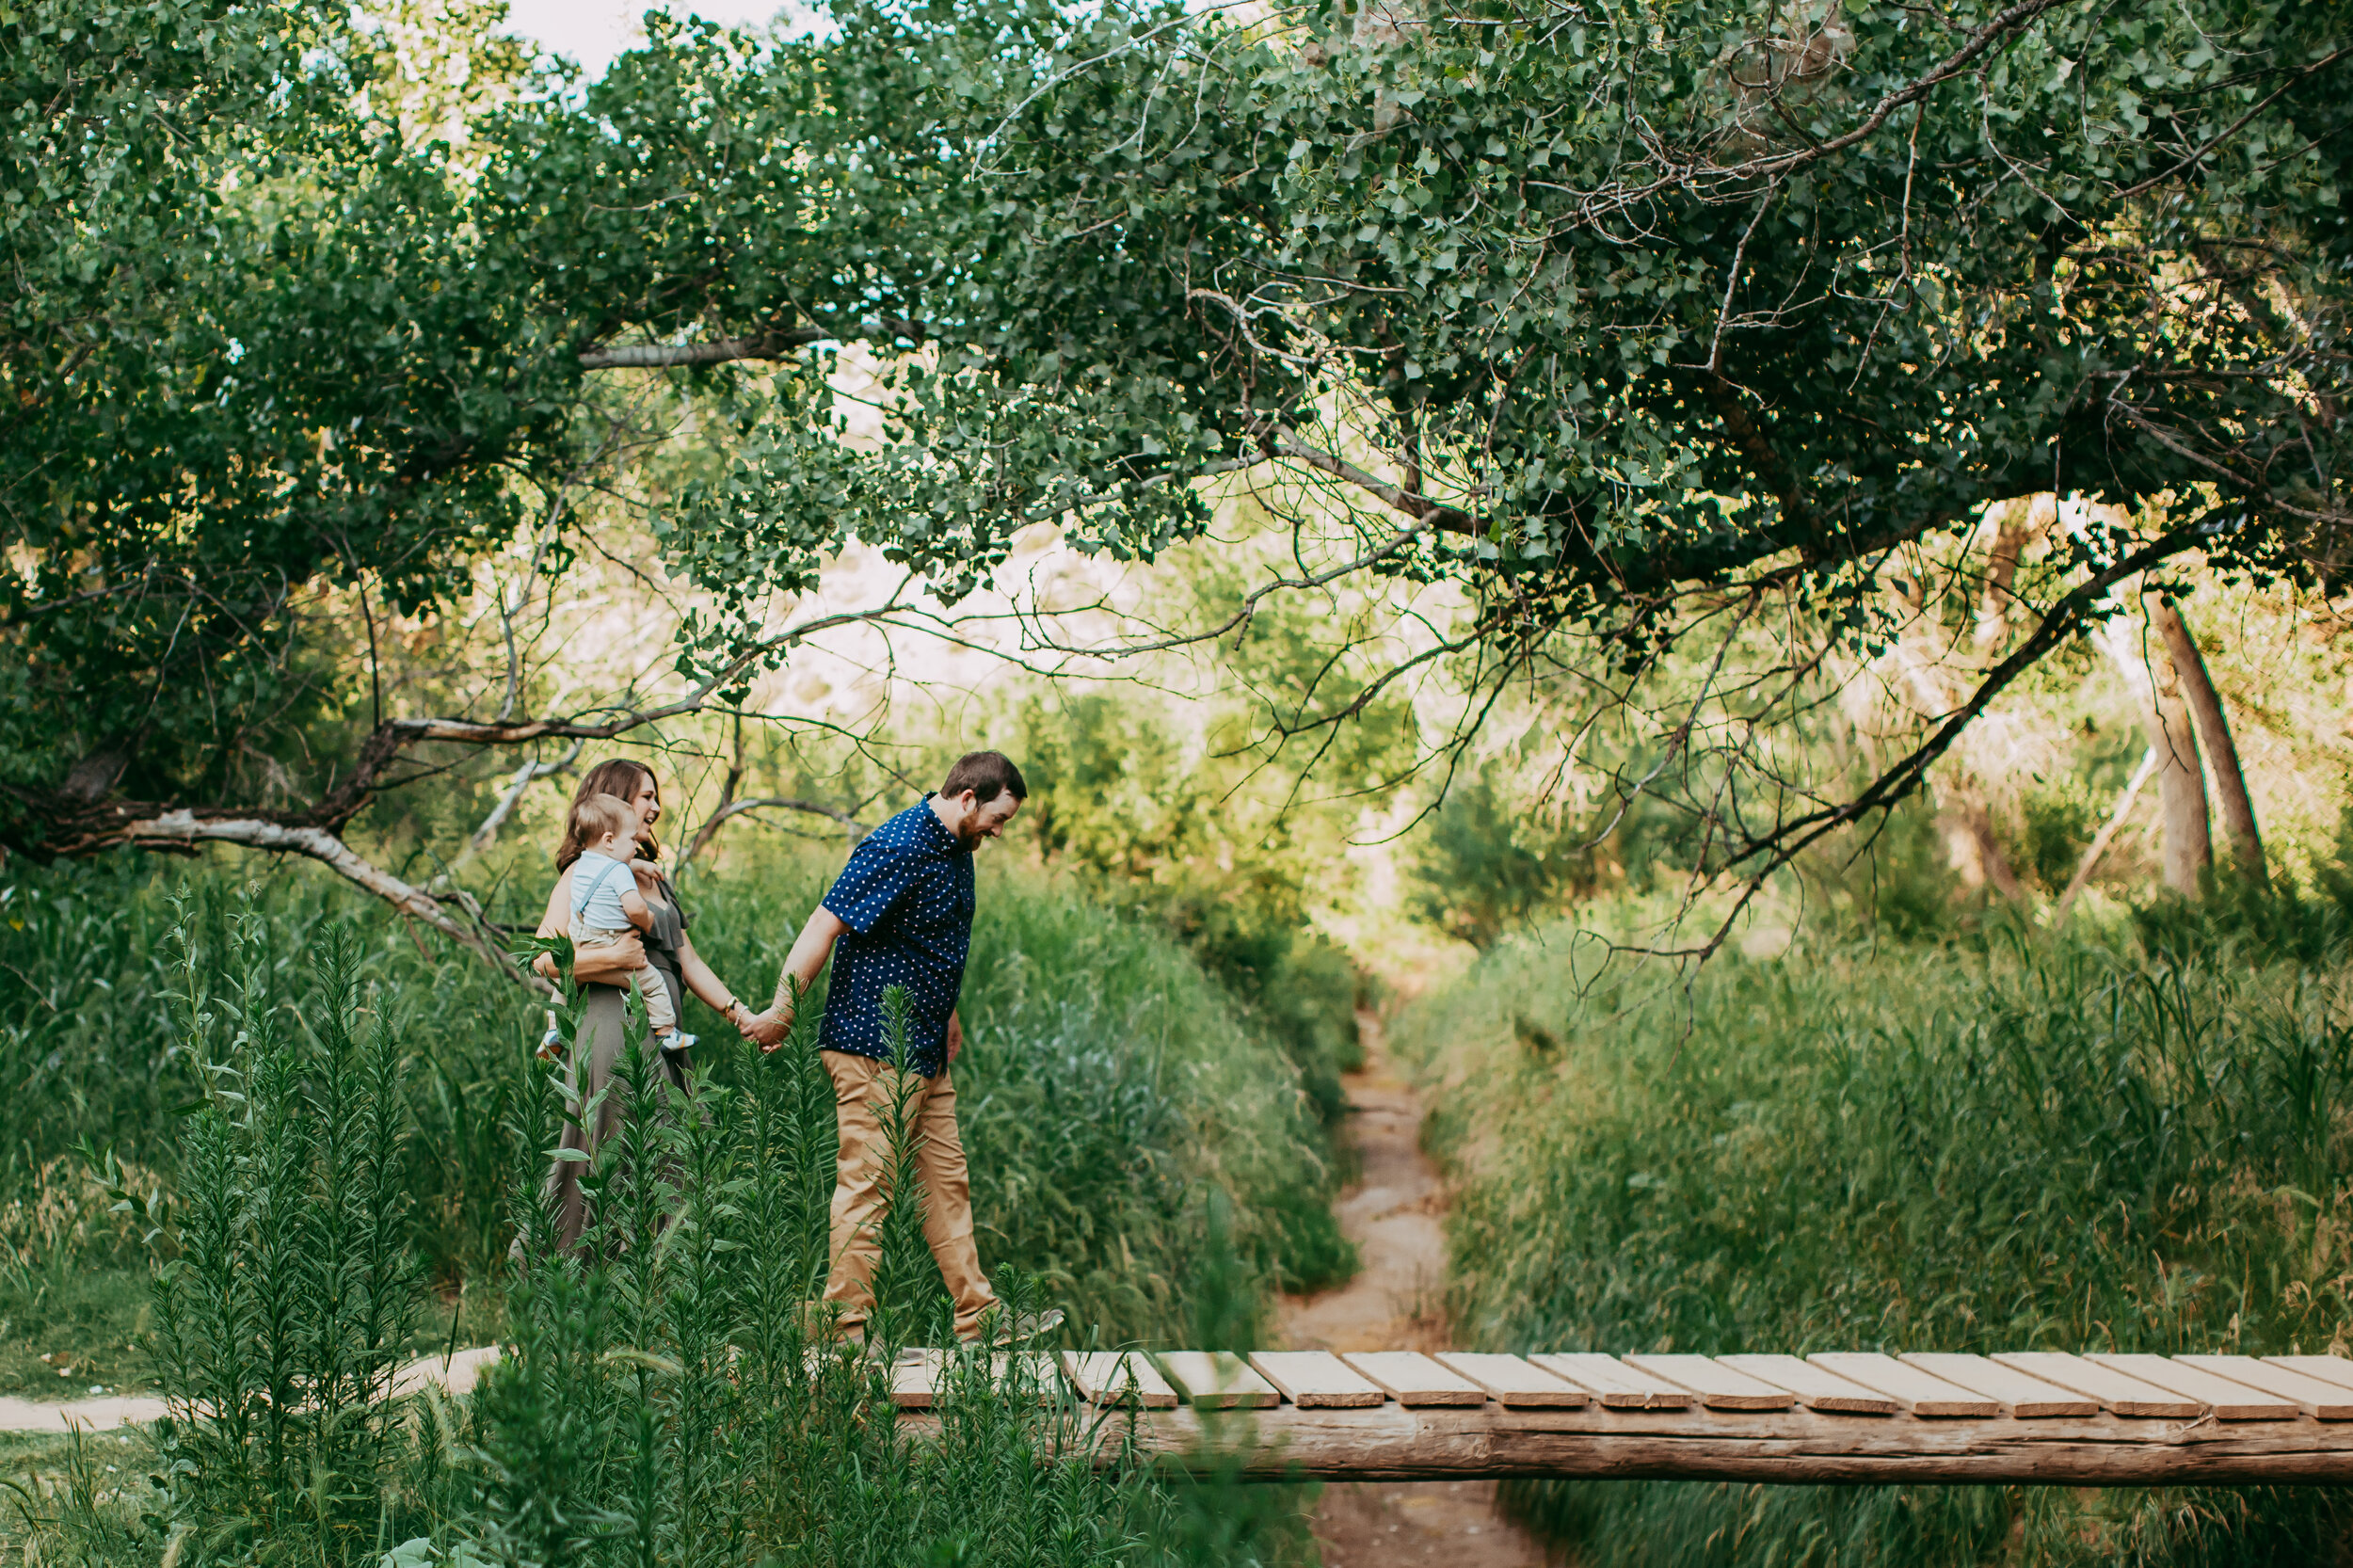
{"points": [[761, 346], [767, 803], [1788, 841], [184, 829], [395, 736]]}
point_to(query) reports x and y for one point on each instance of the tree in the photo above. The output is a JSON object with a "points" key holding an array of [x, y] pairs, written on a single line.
{"points": [[1639, 326], [282, 365], [1636, 320]]}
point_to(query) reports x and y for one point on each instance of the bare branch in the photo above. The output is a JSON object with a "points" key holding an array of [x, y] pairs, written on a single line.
{"points": [[765, 345], [395, 736], [524, 776], [186, 830], [729, 812]]}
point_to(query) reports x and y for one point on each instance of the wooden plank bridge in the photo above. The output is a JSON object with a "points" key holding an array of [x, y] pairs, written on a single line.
{"points": [[2036, 1417]]}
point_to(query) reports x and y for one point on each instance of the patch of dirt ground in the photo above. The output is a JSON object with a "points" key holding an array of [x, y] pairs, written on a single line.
{"points": [[1395, 1215]]}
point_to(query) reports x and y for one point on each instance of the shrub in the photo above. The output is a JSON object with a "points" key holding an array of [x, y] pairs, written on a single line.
{"points": [[282, 1319], [666, 1396], [1075, 1013], [1928, 1147]]}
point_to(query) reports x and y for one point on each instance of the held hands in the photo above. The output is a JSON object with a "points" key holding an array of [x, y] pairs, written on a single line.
{"points": [[766, 1030]]}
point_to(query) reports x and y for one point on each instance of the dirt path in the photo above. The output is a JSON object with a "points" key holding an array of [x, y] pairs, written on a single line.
{"points": [[1394, 1213], [457, 1374]]}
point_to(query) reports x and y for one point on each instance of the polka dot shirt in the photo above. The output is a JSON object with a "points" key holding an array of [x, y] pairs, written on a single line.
{"points": [[906, 896]]}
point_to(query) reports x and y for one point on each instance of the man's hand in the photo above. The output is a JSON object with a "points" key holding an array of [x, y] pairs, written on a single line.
{"points": [[955, 1038], [766, 1029]]}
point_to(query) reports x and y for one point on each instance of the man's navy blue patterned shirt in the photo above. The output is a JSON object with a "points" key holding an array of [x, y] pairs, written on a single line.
{"points": [[906, 896]]}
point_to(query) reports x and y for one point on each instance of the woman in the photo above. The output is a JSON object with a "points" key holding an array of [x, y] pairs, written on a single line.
{"points": [[668, 952]]}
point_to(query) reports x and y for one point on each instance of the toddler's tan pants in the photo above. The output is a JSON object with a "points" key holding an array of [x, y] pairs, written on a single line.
{"points": [[658, 1010]]}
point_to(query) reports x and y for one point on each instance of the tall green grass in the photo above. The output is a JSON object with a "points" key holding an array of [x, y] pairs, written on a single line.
{"points": [[2006, 1146], [1117, 1105], [1111, 1090], [665, 1397]]}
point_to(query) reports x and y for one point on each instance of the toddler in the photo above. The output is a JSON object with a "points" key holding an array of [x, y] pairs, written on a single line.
{"points": [[606, 906]]}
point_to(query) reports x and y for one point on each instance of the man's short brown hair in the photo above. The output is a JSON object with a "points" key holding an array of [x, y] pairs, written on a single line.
{"points": [[986, 774]]}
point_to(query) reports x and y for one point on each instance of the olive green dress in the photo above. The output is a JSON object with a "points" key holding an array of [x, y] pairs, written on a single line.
{"points": [[597, 1047]]}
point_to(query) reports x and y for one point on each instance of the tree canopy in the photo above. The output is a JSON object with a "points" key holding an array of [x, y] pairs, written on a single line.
{"points": [[1624, 318]]}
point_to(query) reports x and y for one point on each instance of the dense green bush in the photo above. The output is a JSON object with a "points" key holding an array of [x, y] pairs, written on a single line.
{"points": [[1192, 844], [2007, 1146]]}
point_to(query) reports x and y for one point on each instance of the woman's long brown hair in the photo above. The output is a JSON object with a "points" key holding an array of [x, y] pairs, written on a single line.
{"points": [[620, 778]]}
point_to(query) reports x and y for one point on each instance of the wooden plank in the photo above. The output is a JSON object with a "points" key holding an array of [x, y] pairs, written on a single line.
{"points": [[920, 1379], [2021, 1396], [1512, 1383], [2224, 1399], [1315, 1380], [1217, 1380], [1412, 1378], [1816, 1389], [2116, 1391], [1103, 1377], [2328, 1369], [2323, 1401], [1718, 1386], [1921, 1393], [1614, 1384]]}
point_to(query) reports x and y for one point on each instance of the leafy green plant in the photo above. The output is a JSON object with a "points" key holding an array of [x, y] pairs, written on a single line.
{"points": [[670, 1399], [281, 1322], [1110, 1084]]}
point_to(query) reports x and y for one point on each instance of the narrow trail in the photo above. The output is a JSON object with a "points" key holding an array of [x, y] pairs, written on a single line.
{"points": [[456, 1373], [1395, 1215]]}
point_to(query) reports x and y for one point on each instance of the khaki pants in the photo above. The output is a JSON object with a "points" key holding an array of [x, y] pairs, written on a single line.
{"points": [[862, 1091]]}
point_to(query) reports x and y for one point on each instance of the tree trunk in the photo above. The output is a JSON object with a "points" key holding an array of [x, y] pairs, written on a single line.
{"points": [[2099, 841], [2213, 727], [2181, 784]]}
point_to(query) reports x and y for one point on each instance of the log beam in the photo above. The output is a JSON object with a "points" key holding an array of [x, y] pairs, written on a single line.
{"points": [[1790, 1447]]}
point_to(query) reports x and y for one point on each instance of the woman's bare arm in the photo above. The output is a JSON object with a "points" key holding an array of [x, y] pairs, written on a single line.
{"points": [[705, 982]]}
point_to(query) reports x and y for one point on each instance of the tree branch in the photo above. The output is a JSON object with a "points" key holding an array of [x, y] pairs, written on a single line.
{"points": [[186, 830], [709, 828], [2065, 618], [395, 736], [765, 345], [524, 776]]}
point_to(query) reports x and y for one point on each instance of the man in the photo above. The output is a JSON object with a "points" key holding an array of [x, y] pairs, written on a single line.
{"points": [[902, 915]]}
